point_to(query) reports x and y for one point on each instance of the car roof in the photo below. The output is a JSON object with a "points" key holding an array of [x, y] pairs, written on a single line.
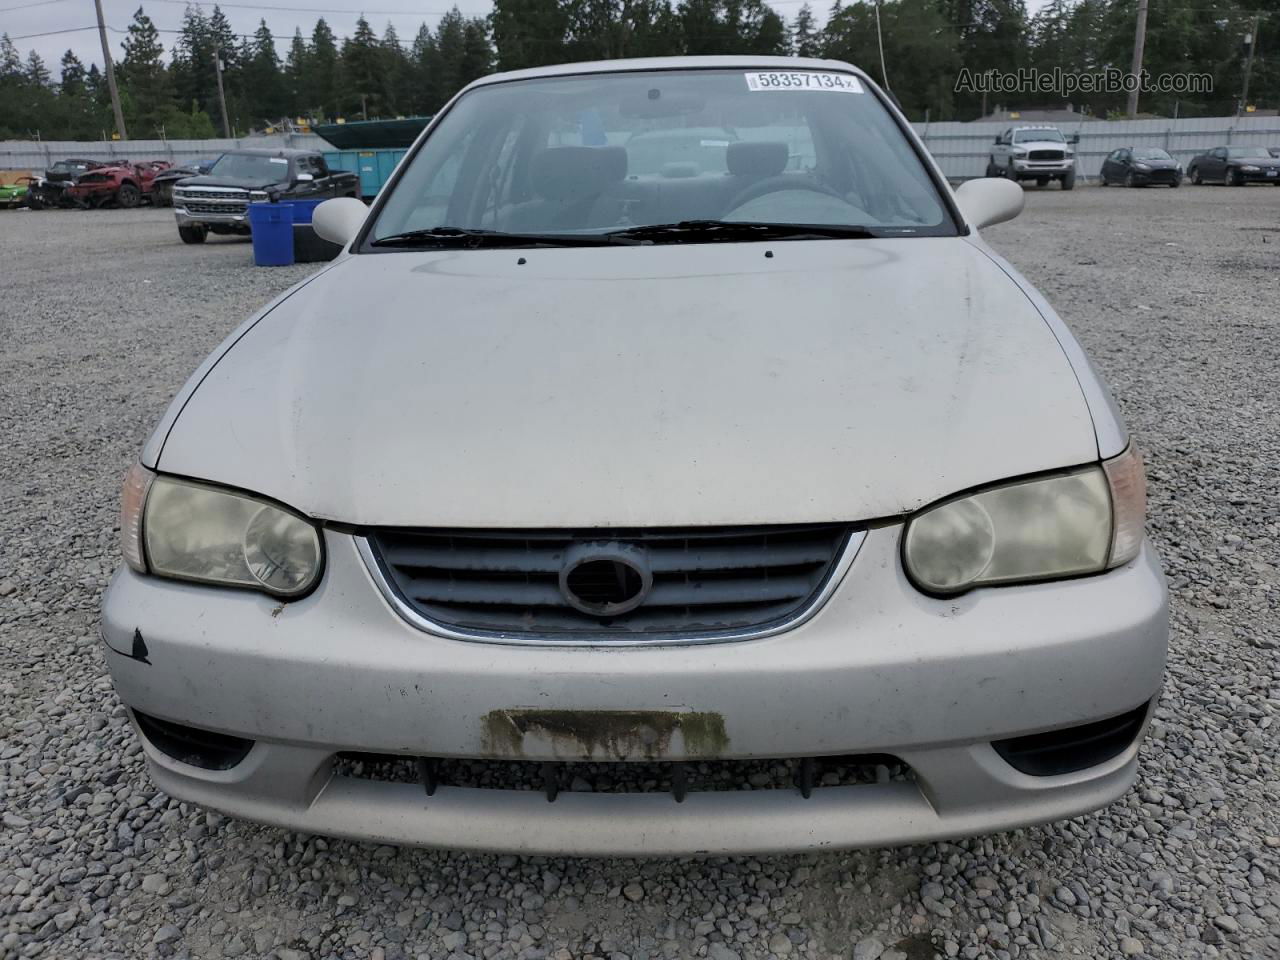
{"points": [[735, 62], [287, 152]]}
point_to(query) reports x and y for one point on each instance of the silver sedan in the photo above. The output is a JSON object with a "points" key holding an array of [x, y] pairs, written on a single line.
{"points": [[745, 501]]}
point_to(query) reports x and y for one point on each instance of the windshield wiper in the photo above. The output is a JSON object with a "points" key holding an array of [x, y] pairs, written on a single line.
{"points": [[732, 231], [473, 238]]}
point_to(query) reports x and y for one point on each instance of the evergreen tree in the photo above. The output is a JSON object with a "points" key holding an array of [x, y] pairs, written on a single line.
{"points": [[423, 65], [37, 73], [451, 42], [193, 71], [144, 77], [477, 53], [263, 82], [296, 66], [322, 83], [806, 40], [363, 73], [10, 61], [527, 33], [920, 52], [399, 74], [73, 76]]}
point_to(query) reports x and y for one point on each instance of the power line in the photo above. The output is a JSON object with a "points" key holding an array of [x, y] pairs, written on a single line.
{"points": [[24, 6], [52, 33]]}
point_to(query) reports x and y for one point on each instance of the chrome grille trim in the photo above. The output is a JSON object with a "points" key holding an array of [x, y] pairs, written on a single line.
{"points": [[232, 194], [841, 562], [192, 206]]}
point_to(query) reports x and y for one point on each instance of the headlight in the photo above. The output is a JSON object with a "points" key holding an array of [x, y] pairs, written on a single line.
{"points": [[1080, 522], [194, 531]]}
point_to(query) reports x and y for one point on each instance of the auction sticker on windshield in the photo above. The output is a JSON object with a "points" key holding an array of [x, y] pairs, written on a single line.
{"points": [[806, 80]]}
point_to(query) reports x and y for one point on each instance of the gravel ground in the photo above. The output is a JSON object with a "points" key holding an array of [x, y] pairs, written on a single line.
{"points": [[1174, 295]]}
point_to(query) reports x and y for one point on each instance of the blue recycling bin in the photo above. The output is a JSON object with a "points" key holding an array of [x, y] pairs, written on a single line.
{"points": [[272, 227]]}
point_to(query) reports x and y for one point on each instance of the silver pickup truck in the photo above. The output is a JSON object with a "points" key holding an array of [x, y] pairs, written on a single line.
{"points": [[218, 201], [1039, 153]]}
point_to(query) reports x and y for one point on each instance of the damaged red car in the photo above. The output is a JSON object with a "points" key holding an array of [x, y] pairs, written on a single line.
{"points": [[124, 184]]}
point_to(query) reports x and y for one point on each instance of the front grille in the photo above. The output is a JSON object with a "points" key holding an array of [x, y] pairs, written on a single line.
{"points": [[705, 582], [801, 774], [224, 208], [205, 193], [1045, 155]]}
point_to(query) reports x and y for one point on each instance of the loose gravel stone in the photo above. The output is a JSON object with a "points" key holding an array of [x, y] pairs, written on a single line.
{"points": [[95, 862]]}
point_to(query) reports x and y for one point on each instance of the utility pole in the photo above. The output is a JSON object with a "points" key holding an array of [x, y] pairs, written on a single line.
{"points": [[1139, 41], [111, 73], [222, 97], [1252, 40], [884, 75]]}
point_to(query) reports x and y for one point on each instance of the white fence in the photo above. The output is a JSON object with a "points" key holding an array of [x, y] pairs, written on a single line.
{"points": [[39, 154], [962, 149]]}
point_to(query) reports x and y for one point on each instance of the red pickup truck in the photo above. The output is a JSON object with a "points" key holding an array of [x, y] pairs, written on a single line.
{"points": [[125, 184]]}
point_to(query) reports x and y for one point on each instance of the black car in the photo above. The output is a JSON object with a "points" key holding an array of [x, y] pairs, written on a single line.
{"points": [[1235, 166], [1139, 167], [162, 185]]}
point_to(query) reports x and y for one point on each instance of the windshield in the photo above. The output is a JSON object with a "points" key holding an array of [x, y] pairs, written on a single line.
{"points": [[1243, 153], [1151, 153], [252, 167], [1049, 133], [602, 153]]}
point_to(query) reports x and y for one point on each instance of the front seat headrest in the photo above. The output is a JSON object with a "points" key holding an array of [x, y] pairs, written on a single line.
{"points": [[572, 173], [762, 158]]}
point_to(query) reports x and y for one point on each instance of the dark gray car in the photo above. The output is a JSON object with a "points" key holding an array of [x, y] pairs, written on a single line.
{"points": [[1140, 167], [1235, 166]]}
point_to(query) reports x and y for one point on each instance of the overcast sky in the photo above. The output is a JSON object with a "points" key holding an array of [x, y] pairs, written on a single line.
{"points": [[24, 19]]}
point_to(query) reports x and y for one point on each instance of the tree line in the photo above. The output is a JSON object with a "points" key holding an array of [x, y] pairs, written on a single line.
{"points": [[927, 44]]}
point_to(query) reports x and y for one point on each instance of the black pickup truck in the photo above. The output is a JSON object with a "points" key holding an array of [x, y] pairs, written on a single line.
{"points": [[218, 201]]}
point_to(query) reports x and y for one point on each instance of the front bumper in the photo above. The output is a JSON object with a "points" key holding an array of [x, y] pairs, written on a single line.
{"points": [[879, 669], [1157, 176], [1260, 176], [185, 218], [1042, 168]]}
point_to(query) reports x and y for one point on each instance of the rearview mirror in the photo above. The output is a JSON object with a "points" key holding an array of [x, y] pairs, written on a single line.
{"points": [[1075, 138], [340, 219], [997, 140], [987, 200]]}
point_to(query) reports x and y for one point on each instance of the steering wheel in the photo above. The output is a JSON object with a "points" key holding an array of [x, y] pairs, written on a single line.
{"points": [[778, 184]]}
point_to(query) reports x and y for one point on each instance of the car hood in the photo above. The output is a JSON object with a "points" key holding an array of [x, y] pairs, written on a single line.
{"points": [[638, 386], [245, 183], [1042, 145], [1158, 164]]}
